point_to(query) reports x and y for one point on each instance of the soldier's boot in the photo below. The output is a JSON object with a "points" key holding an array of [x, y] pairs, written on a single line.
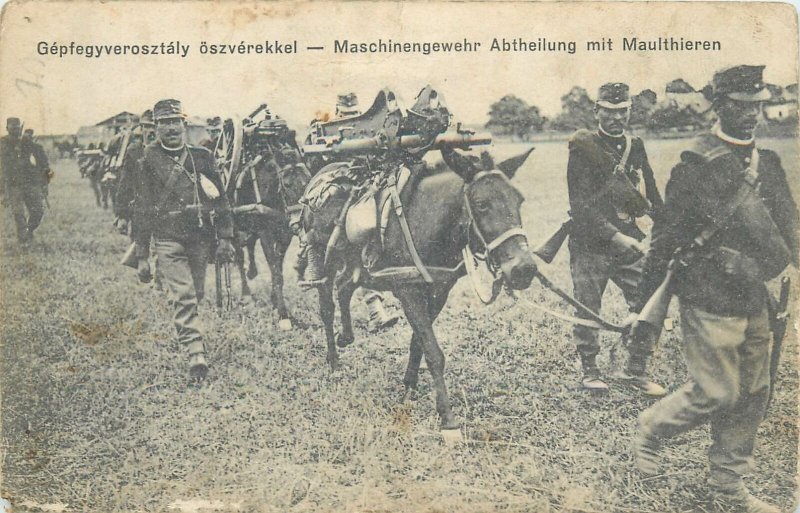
{"points": [[646, 450], [379, 318], [198, 367], [738, 500], [635, 377], [592, 380], [315, 267]]}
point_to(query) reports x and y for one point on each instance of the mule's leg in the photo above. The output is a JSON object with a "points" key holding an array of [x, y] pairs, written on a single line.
{"points": [[246, 293], [411, 377], [416, 301], [345, 293], [274, 252], [252, 268], [326, 311]]}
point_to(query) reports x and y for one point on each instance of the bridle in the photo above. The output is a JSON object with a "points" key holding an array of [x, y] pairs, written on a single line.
{"points": [[488, 246]]}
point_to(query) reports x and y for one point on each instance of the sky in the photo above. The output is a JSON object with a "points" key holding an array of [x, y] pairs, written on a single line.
{"points": [[59, 94]]}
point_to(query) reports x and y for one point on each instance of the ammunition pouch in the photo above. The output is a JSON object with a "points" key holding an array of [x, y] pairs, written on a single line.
{"points": [[773, 252]]}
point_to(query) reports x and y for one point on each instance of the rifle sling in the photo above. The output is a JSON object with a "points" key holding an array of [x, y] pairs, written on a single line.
{"points": [[722, 215]]}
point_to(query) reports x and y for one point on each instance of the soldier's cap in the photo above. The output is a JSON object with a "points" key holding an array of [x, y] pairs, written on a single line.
{"points": [[614, 95], [146, 118], [743, 83], [13, 122], [214, 122], [28, 131], [168, 109]]}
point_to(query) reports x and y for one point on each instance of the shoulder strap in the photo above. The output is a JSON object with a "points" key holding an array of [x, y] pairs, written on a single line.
{"points": [[722, 215], [173, 178]]}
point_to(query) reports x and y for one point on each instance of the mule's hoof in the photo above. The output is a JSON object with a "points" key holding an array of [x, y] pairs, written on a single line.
{"points": [[247, 300], [285, 325], [452, 437], [333, 364], [410, 395], [342, 341], [198, 367]]}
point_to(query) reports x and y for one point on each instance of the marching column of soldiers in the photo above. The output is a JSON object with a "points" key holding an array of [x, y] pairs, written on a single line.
{"points": [[727, 224]]}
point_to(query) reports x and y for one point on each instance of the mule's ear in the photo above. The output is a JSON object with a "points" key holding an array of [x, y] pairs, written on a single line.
{"points": [[461, 165], [510, 166]]}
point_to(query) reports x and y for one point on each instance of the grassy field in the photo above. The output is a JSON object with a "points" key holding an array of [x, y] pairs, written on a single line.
{"points": [[97, 416]]}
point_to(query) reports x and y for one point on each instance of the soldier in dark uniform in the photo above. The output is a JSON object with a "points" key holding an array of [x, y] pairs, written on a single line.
{"points": [[40, 164], [142, 135], [180, 204], [611, 187], [723, 299], [22, 181]]}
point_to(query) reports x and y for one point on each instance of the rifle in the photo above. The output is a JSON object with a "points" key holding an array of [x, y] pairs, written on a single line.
{"points": [[549, 249], [778, 319], [222, 280]]}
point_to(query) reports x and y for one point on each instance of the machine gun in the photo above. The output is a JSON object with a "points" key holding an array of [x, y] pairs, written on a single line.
{"points": [[388, 128]]}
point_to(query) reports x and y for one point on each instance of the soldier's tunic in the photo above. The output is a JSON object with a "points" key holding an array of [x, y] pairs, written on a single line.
{"points": [[596, 219], [23, 184], [725, 325], [125, 189], [162, 191]]}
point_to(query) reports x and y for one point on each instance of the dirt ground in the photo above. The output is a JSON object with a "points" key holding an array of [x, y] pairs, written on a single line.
{"points": [[97, 416]]}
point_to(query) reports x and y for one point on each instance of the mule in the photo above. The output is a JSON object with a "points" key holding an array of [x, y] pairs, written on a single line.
{"points": [[470, 205], [262, 196]]}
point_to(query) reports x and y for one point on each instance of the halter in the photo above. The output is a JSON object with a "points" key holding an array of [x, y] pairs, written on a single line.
{"points": [[500, 239]]}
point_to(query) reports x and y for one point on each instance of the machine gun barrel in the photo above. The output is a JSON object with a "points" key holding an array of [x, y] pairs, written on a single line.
{"points": [[403, 141]]}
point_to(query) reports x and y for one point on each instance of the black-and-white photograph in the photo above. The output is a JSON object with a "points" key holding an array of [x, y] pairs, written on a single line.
{"points": [[374, 257]]}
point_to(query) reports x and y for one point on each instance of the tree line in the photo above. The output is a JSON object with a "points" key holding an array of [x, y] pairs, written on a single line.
{"points": [[683, 109]]}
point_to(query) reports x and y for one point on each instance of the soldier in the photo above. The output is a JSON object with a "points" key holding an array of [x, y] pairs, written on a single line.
{"points": [[39, 162], [213, 129], [23, 182], [729, 203], [606, 172], [179, 202], [143, 135]]}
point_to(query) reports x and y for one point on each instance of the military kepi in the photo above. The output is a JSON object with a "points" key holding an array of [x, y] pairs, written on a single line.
{"points": [[743, 83], [13, 122], [614, 95], [168, 109], [146, 118]]}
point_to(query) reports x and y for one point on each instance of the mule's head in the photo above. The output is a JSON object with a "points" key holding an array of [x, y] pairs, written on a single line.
{"points": [[493, 206]]}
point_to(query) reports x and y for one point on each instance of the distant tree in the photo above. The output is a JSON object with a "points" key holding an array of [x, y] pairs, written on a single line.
{"points": [[642, 106], [679, 85], [513, 116], [669, 115], [577, 111]]}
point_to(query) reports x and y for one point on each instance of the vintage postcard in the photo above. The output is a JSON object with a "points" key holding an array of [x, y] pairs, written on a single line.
{"points": [[383, 256]]}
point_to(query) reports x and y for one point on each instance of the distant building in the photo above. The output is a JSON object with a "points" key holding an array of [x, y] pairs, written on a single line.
{"points": [[782, 106], [120, 120]]}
